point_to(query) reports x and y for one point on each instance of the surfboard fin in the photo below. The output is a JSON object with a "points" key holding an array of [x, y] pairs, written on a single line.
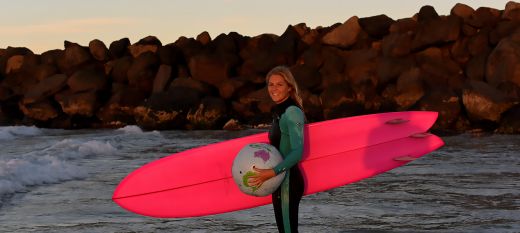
{"points": [[406, 158], [396, 121], [420, 135]]}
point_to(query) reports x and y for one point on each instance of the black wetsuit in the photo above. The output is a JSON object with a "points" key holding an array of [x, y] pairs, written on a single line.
{"points": [[286, 134]]}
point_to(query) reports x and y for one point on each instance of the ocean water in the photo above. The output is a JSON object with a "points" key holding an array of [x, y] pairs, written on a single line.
{"points": [[62, 181]]}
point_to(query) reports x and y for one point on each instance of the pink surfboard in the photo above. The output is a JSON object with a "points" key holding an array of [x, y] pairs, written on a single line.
{"points": [[198, 181]]}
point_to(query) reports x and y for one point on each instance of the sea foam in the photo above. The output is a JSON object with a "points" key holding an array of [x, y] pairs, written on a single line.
{"points": [[13, 132], [55, 164]]}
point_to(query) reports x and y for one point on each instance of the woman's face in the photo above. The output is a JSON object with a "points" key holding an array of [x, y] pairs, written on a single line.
{"points": [[278, 88]]}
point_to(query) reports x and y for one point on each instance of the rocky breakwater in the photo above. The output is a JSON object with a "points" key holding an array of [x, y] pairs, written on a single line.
{"points": [[463, 65]]}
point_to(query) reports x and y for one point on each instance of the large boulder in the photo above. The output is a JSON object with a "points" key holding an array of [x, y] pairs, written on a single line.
{"points": [[42, 111], [120, 67], [483, 102], [167, 110], [143, 70], [448, 104], [344, 35], [99, 50], [376, 26], [162, 78], [73, 57], [87, 80], [336, 95], [119, 48], [119, 110], [484, 17], [438, 69], [462, 10], [209, 68], [45, 88], [82, 104], [44, 71], [510, 123], [503, 64], [147, 44], [307, 77], [409, 89], [209, 115], [437, 31]]}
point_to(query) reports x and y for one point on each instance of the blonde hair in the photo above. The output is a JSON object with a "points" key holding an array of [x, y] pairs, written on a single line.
{"points": [[289, 78]]}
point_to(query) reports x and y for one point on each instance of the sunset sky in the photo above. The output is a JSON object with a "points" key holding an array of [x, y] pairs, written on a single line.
{"points": [[44, 25]]}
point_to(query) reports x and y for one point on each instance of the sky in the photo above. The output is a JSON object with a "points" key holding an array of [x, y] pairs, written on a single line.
{"points": [[42, 25]]}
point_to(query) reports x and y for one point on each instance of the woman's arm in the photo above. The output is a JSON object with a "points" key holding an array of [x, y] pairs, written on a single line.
{"points": [[295, 123]]}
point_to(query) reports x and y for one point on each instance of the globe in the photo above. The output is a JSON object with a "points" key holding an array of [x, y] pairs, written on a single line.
{"points": [[259, 155]]}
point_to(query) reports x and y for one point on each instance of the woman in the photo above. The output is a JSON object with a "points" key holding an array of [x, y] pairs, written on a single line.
{"points": [[286, 134]]}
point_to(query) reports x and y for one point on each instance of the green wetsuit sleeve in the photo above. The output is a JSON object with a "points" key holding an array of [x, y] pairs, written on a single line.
{"points": [[295, 122]]}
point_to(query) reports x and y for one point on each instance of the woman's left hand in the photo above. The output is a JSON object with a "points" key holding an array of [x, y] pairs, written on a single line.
{"points": [[260, 177]]}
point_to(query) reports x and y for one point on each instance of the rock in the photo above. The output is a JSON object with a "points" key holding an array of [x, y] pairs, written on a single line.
{"points": [[397, 44], [476, 67], [120, 69], [287, 48], [87, 80], [448, 104], [438, 69], [204, 38], [462, 10], [479, 43], [511, 90], [503, 30], [167, 110], [149, 40], [232, 125], [44, 71], [119, 48], [171, 55], [484, 17], [406, 25], [137, 49], [388, 68], [162, 78], [51, 57], [99, 50], [307, 77], [190, 83], [41, 111], [376, 26], [483, 102], [14, 63], [510, 123], [344, 35], [119, 110], [189, 47], [313, 56], [459, 51], [208, 115], [72, 58], [83, 103], [503, 64], [142, 71], [427, 13], [209, 69], [512, 11], [409, 88], [228, 89], [437, 31], [336, 95], [45, 88], [360, 66]]}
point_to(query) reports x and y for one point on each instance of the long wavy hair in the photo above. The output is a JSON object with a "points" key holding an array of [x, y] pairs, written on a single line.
{"points": [[285, 72]]}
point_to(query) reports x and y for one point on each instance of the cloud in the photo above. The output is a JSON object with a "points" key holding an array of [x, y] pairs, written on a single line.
{"points": [[67, 26]]}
